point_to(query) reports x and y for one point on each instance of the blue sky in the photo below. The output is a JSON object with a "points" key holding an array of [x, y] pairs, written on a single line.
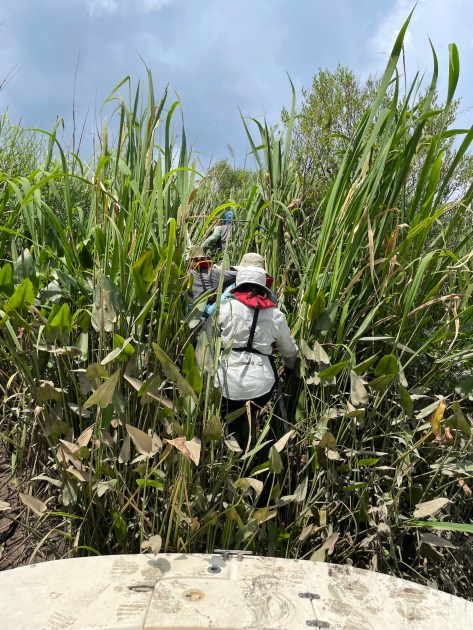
{"points": [[217, 55]]}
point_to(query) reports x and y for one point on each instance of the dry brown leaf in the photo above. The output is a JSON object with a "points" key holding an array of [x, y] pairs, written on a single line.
{"points": [[194, 446], [124, 455], [281, 443], [143, 442], [430, 507], [465, 487], [306, 532], [37, 506], [154, 544], [85, 436]]}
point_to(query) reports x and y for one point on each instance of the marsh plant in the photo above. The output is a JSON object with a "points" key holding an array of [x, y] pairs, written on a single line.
{"points": [[110, 421]]}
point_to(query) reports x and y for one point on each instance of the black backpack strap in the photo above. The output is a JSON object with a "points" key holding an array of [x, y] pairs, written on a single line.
{"points": [[203, 280], [249, 345]]}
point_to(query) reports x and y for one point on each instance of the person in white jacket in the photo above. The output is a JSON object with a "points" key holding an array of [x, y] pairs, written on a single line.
{"points": [[249, 324]]}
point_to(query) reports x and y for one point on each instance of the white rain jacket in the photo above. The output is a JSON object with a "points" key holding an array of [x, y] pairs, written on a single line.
{"points": [[247, 375]]}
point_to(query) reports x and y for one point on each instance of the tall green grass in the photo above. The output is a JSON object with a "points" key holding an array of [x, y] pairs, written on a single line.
{"points": [[109, 411]]}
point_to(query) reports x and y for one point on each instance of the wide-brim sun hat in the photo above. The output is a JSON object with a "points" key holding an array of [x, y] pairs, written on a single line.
{"points": [[252, 259], [251, 275], [197, 252]]}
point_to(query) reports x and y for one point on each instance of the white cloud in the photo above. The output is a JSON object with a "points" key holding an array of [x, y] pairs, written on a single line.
{"points": [[120, 7], [441, 22]]}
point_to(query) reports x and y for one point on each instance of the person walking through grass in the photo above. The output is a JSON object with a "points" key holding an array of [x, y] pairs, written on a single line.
{"points": [[249, 324], [250, 259], [222, 234], [206, 275]]}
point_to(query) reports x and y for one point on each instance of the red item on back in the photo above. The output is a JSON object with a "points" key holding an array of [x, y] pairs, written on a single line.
{"points": [[254, 301], [200, 265]]}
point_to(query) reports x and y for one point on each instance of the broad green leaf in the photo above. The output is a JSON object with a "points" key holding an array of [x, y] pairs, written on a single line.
{"points": [[172, 372], [140, 287], [381, 383], [149, 483], [367, 462], [465, 386], [189, 361], [144, 267], [275, 461], [332, 371], [406, 401], [119, 525], [95, 370], [194, 379], [458, 421], [437, 541], [364, 366], [6, 279], [318, 306], [62, 319], [47, 391], [108, 304], [387, 365], [24, 294], [320, 355], [212, 429], [104, 393], [453, 70], [326, 321], [122, 349], [306, 351]]}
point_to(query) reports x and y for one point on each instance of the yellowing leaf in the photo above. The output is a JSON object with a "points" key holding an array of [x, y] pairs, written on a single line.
{"points": [[95, 370], [248, 482], [145, 444], [47, 391], [437, 417], [104, 393]]}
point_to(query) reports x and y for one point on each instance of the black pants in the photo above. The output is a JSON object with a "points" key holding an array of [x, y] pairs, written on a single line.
{"points": [[240, 426]]}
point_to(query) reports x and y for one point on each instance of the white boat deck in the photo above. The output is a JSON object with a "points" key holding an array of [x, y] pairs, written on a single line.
{"points": [[173, 591]]}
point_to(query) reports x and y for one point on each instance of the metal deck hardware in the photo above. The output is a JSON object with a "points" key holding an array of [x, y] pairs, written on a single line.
{"points": [[309, 596], [233, 553]]}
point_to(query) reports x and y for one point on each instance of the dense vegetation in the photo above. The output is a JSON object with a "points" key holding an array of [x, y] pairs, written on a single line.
{"points": [[109, 417]]}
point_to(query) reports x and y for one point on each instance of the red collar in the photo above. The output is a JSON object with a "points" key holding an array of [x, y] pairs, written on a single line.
{"points": [[255, 301]]}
